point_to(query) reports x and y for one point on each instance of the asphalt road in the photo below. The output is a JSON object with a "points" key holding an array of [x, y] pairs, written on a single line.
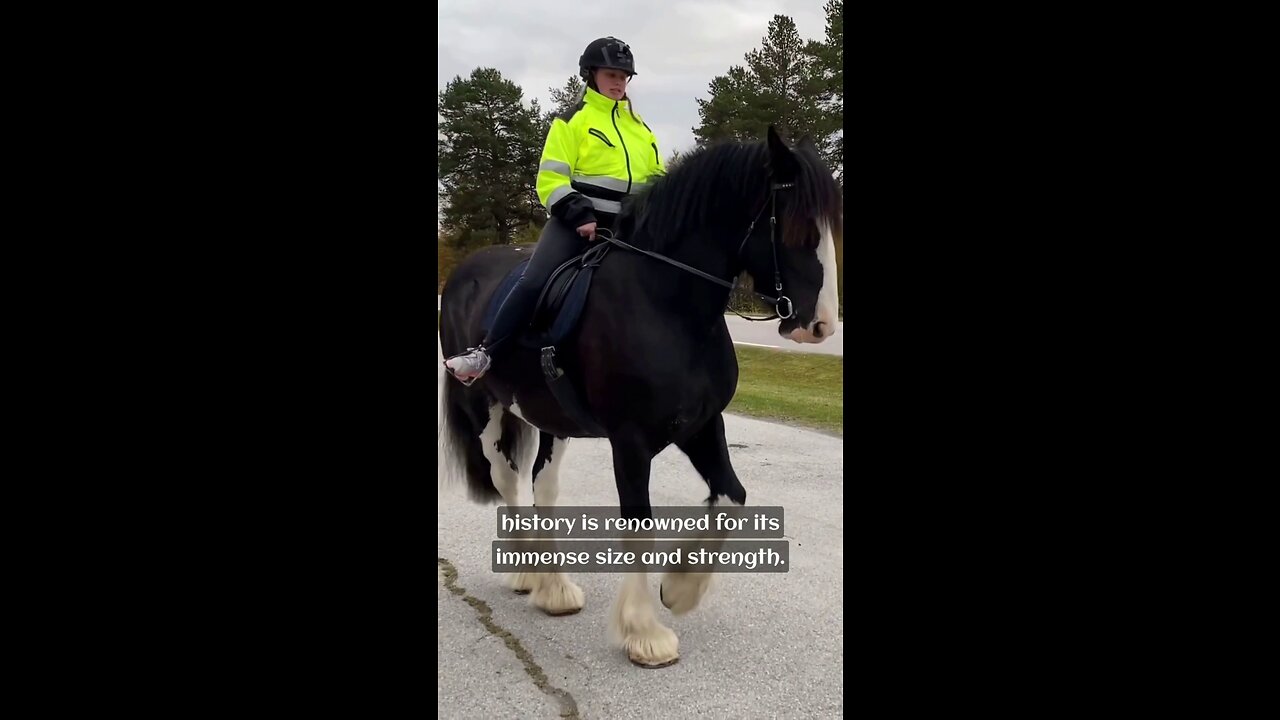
{"points": [[759, 645]]}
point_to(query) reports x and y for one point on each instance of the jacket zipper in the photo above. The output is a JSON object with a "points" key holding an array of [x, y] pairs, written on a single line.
{"points": [[655, 153], [601, 135], [624, 144]]}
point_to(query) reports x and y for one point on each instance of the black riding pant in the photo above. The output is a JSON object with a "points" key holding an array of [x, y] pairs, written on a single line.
{"points": [[558, 243]]}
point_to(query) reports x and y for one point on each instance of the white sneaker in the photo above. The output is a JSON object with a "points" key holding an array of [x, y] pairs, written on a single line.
{"points": [[469, 366]]}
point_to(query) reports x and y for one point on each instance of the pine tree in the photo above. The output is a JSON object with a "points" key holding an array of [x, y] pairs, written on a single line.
{"points": [[784, 83], [563, 100], [734, 111], [489, 149], [828, 81], [566, 98]]}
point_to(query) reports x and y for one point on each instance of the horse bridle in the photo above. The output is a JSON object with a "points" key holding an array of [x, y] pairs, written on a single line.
{"points": [[778, 302]]}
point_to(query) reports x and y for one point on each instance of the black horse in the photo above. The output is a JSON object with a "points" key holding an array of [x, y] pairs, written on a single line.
{"points": [[651, 357]]}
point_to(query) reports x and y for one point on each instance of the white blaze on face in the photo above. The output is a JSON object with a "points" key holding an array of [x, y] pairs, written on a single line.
{"points": [[828, 306]]}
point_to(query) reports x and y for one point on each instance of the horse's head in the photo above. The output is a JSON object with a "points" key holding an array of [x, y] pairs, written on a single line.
{"points": [[772, 210], [794, 242]]}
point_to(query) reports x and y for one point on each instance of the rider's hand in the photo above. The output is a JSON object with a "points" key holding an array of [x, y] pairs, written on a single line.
{"points": [[588, 231]]}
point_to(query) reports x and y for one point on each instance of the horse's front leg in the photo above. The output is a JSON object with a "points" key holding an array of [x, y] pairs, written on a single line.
{"points": [[634, 624], [707, 450]]}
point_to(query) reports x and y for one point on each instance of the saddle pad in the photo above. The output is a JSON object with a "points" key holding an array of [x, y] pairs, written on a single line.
{"points": [[504, 289]]}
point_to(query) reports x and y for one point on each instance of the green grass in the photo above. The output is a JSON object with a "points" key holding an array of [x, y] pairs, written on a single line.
{"points": [[799, 388]]}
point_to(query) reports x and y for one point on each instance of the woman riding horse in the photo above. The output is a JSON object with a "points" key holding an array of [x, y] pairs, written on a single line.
{"points": [[595, 154]]}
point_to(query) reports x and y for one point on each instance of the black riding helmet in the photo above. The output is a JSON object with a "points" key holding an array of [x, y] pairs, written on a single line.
{"points": [[607, 52]]}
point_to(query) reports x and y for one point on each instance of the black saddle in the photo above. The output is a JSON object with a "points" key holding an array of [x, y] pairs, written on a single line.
{"points": [[560, 303], [555, 316]]}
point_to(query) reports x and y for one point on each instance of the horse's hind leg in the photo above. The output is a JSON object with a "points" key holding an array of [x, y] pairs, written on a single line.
{"points": [[553, 592], [681, 592], [505, 441]]}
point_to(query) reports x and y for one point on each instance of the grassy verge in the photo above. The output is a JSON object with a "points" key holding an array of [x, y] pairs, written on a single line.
{"points": [[804, 389]]}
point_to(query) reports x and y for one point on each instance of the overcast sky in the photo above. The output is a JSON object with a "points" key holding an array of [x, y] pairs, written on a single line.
{"points": [[679, 46]]}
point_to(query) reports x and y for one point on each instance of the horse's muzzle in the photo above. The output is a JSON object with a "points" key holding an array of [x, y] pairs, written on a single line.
{"points": [[815, 333]]}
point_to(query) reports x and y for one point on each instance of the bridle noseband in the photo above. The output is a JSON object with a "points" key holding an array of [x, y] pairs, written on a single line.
{"points": [[776, 302], [779, 302]]}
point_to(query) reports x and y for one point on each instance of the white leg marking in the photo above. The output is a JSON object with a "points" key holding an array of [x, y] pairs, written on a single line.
{"points": [[681, 592], [546, 486], [634, 626], [506, 480], [553, 592], [515, 410]]}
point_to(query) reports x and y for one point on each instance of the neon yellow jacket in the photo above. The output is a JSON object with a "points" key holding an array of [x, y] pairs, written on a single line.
{"points": [[594, 156]]}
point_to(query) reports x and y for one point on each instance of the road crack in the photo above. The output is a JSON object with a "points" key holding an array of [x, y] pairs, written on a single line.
{"points": [[568, 706]]}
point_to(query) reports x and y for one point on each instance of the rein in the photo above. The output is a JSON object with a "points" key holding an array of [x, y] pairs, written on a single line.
{"points": [[779, 302]]}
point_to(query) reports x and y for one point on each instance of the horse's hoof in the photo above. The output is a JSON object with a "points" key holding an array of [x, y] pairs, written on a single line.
{"points": [[522, 583], [687, 591], [652, 646], [558, 596], [668, 663], [574, 611]]}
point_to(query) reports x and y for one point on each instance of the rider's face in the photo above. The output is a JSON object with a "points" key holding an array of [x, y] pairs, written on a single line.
{"points": [[612, 83]]}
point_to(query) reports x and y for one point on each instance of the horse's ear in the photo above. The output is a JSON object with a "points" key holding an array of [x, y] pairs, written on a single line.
{"points": [[781, 159], [775, 140]]}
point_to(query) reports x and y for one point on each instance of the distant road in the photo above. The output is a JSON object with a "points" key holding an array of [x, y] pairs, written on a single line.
{"points": [[765, 334]]}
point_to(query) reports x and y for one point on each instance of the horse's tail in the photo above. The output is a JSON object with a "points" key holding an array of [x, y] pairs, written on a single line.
{"points": [[461, 453]]}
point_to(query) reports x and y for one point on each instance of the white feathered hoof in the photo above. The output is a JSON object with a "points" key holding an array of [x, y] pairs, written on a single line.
{"points": [[681, 592], [656, 647], [634, 628], [523, 583], [558, 596]]}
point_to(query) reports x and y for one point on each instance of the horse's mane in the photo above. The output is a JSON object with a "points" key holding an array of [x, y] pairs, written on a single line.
{"points": [[727, 183]]}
